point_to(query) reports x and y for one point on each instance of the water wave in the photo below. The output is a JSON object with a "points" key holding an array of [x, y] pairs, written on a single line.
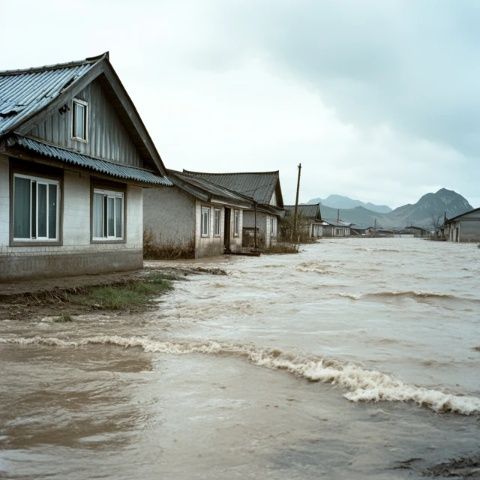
{"points": [[399, 294], [362, 385], [315, 267]]}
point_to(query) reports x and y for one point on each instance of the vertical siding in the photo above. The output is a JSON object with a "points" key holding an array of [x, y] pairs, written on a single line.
{"points": [[107, 137]]}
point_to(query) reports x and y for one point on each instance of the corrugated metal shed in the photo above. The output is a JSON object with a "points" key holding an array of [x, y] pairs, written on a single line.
{"points": [[26, 92], [101, 166], [311, 211], [258, 185]]}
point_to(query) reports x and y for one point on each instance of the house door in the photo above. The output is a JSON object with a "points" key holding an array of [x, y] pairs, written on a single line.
{"points": [[226, 230]]}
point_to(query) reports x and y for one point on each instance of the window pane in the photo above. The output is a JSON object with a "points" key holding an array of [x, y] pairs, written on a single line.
{"points": [[111, 217], [21, 208], [98, 215], [118, 217], [79, 120], [52, 211], [42, 210]]}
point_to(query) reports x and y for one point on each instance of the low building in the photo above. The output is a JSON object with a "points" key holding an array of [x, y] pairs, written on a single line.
{"points": [[74, 158], [267, 210], [464, 227], [309, 218], [194, 219], [336, 228]]}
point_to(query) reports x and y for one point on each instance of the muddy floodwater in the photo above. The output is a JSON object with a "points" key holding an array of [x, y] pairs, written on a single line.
{"points": [[357, 358]]}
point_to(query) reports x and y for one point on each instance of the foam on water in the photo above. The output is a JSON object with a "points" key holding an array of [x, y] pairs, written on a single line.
{"points": [[362, 385]]}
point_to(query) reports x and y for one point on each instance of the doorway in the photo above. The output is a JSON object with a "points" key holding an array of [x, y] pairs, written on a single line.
{"points": [[226, 230]]}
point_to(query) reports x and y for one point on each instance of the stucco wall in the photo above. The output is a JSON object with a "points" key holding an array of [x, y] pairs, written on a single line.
{"points": [[468, 228], [169, 216], [77, 255], [263, 225], [211, 245]]}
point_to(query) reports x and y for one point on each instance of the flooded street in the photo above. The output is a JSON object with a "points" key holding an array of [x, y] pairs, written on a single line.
{"points": [[357, 358]]}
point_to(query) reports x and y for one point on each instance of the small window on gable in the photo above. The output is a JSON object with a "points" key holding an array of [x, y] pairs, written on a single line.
{"points": [[79, 120]]}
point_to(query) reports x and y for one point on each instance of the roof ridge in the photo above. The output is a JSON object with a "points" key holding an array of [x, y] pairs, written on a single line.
{"points": [[230, 173], [56, 66]]}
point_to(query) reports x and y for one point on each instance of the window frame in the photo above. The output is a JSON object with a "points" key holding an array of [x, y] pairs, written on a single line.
{"points": [[86, 123], [236, 222], [45, 174], [207, 210], [215, 212], [116, 191]]}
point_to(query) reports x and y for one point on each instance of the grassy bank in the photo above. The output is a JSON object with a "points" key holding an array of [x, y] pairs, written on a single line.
{"points": [[130, 294]]}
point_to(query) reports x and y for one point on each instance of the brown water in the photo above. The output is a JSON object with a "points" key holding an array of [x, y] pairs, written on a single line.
{"points": [[339, 362]]}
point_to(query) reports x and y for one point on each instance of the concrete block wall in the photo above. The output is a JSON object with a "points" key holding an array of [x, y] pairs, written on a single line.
{"points": [[77, 255]]}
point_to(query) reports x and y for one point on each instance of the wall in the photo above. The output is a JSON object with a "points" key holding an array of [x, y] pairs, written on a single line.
{"points": [[236, 241], [212, 245], [169, 216], [77, 255], [107, 137], [263, 225]]}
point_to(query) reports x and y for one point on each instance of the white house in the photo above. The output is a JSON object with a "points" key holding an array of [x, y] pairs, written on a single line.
{"points": [[267, 202], [74, 158], [195, 218]]}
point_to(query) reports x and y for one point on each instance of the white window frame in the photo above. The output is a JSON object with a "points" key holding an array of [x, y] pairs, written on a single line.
{"points": [[273, 226], [236, 223], [46, 182], [205, 224], [109, 194], [84, 104], [217, 219]]}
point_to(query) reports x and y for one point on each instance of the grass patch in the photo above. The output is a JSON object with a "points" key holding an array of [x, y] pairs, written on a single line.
{"points": [[126, 296]]}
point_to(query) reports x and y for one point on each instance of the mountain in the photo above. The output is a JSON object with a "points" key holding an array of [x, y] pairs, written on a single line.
{"points": [[340, 201], [429, 211]]}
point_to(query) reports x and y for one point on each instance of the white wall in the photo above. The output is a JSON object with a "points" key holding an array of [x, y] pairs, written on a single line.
{"points": [[4, 203]]}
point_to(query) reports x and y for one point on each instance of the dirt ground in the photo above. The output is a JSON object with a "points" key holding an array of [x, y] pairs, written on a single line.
{"points": [[50, 296]]}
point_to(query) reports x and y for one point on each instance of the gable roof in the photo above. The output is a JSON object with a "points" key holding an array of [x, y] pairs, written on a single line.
{"points": [[258, 185], [306, 210], [207, 191], [30, 95]]}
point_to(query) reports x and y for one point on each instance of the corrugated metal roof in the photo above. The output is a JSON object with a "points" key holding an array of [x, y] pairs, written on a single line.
{"points": [[26, 92], [305, 210], [209, 188], [97, 165], [258, 185]]}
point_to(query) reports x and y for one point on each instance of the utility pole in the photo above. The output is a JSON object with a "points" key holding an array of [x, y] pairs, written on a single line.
{"points": [[255, 230], [294, 233], [338, 215]]}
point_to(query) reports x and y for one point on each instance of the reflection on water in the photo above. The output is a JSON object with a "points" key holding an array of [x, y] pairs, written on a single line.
{"points": [[389, 319]]}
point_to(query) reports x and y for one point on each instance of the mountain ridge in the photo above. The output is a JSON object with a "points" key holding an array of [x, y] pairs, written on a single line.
{"points": [[344, 202], [427, 212]]}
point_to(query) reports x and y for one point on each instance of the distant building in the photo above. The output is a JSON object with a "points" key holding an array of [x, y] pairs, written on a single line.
{"points": [[310, 218], [464, 227], [336, 228], [265, 190], [195, 218]]}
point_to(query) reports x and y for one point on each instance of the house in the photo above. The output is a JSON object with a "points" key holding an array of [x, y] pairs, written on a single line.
{"points": [[265, 191], [74, 158], [195, 218], [309, 218], [464, 227], [336, 228]]}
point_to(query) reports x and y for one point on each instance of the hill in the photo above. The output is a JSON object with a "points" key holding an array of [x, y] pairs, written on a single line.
{"points": [[427, 212], [340, 201]]}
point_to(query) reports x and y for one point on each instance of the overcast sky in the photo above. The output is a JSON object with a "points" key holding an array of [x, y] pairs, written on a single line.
{"points": [[379, 100]]}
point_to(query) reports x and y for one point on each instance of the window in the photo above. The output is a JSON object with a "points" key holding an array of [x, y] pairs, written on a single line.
{"points": [[273, 226], [108, 215], [216, 221], [79, 120], [205, 227], [35, 208], [236, 223]]}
